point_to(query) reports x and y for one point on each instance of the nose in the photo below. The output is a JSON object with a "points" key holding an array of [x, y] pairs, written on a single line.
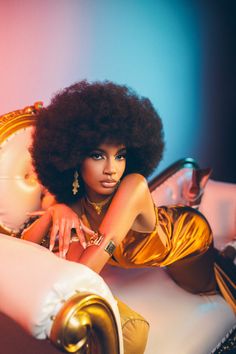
{"points": [[110, 168]]}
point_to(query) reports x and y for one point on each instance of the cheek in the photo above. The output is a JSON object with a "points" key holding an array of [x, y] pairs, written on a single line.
{"points": [[122, 167], [84, 171], [89, 169]]}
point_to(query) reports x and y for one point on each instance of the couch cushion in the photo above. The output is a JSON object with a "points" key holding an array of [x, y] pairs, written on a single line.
{"points": [[135, 329], [20, 192], [180, 322], [219, 207]]}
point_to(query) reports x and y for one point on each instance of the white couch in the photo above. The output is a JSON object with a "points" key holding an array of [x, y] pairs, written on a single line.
{"points": [[180, 323]]}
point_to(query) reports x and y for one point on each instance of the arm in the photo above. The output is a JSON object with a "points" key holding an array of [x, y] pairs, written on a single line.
{"points": [[39, 229], [132, 206], [59, 219]]}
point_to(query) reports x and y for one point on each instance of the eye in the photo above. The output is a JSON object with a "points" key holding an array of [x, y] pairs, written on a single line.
{"points": [[96, 155], [121, 157]]}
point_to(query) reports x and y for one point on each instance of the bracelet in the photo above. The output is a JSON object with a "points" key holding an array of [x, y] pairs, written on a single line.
{"points": [[110, 248], [97, 239]]}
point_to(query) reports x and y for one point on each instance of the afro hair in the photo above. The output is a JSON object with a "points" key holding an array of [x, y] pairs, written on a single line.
{"points": [[85, 115]]}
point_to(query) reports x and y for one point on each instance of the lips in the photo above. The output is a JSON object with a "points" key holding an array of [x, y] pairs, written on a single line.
{"points": [[108, 183]]}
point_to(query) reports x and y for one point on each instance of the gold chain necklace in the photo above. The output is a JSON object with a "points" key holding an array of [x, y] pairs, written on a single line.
{"points": [[98, 206]]}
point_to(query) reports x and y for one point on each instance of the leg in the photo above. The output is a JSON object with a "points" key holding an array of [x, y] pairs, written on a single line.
{"points": [[195, 273], [192, 242]]}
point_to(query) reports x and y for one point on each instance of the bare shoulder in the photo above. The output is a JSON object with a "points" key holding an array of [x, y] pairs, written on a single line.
{"points": [[134, 179], [135, 188], [137, 185]]}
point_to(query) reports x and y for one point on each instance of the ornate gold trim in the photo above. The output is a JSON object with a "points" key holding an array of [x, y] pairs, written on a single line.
{"points": [[10, 123], [86, 324], [19, 119]]}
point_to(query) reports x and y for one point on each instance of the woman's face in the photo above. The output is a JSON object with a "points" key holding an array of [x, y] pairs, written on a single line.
{"points": [[102, 170]]}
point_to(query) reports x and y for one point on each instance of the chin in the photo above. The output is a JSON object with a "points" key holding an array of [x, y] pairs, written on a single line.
{"points": [[106, 191]]}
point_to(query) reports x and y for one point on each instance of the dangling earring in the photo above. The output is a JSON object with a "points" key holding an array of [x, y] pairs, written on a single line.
{"points": [[75, 183]]}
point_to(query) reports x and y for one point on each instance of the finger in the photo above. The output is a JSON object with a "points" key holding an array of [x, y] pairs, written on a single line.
{"points": [[66, 243], [53, 235], [61, 235], [81, 236], [86, 229]]}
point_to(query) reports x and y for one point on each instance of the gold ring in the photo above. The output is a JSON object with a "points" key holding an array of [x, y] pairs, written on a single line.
{"points": [[74, 239]]}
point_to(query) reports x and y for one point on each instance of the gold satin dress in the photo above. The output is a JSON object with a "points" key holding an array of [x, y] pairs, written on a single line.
{"points": [[181, 241], [179, 232]]}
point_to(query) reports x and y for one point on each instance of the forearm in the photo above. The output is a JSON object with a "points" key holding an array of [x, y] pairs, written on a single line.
{"points": [[131, 201], [39, 229], [94, 257]]}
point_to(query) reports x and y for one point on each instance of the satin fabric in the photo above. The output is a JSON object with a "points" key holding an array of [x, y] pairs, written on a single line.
{"points": [[181, 241], [179, 232]]}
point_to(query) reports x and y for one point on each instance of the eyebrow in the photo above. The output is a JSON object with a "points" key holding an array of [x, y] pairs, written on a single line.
{"points": [[122, 150]]}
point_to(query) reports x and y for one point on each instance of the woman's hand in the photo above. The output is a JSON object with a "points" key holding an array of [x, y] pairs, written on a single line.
{"points": [[64, 219]]}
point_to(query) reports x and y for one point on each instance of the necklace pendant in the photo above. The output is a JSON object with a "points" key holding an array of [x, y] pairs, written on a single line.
{"points": [[98, 206], [98, 209]]}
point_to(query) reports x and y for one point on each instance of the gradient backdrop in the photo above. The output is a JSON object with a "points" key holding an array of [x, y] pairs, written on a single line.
{"points": [[179, 53]]}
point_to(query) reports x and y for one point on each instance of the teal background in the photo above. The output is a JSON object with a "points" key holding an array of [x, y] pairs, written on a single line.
{"points": [[179, 53]]}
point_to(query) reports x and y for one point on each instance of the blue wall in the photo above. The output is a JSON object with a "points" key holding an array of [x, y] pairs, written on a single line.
{"points": [[172, 51], [154, 47]]}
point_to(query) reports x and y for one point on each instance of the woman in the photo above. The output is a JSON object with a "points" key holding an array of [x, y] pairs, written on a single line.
{"points": [[93, 147]]}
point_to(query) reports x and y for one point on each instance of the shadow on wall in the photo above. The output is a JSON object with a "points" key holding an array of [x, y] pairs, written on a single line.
{"points": [[218, 143]]}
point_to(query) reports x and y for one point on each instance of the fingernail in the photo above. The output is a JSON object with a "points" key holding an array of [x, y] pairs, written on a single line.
{"points": [[61, 254], [84, 245], [64, 253], [50, 248]]}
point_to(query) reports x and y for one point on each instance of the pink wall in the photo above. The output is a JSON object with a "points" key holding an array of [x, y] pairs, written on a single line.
{"points": [[179, 53], [37, 49]]}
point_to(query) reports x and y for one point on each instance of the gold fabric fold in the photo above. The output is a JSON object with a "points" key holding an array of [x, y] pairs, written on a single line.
{"points": [[179, 232], [226, 285]]}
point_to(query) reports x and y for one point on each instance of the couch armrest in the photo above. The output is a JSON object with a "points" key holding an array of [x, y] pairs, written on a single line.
{"points": [[46, 295], [219, 206], [86, 320], [174, 184]]}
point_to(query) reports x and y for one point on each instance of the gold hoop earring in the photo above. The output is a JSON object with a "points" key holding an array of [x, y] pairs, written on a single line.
{"points": [[75, 183]]}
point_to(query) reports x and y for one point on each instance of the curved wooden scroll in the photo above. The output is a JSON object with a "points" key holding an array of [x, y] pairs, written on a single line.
{"points": [[86, 324]]}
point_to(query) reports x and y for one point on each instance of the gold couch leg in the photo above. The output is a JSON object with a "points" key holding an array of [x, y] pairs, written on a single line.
{"points": [[86, 325]]}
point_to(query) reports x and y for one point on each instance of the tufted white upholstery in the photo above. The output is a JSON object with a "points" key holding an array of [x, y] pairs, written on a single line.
{"points": [[35, 284], [20, 192]]}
